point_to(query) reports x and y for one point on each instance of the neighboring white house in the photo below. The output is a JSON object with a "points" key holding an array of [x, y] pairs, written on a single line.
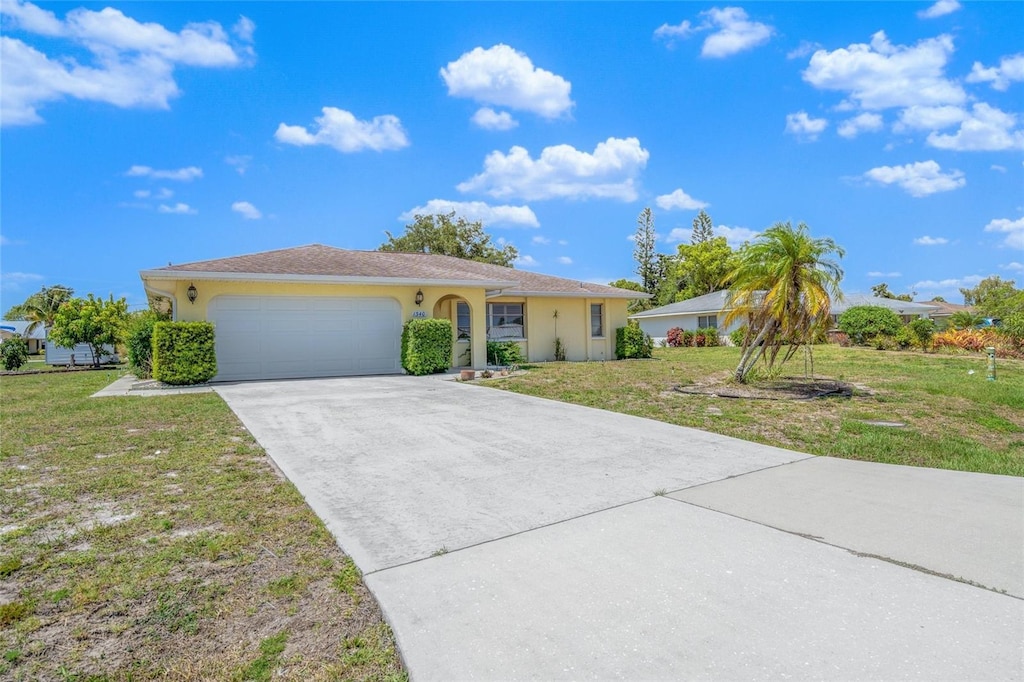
{"points": [[710, 310], [694, 313], [36, 340]]}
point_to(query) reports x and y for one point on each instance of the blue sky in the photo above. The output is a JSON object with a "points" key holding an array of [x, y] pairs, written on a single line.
{"points": [[137, 134]]}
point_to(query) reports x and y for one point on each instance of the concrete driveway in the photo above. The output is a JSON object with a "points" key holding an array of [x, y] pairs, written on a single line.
{"points": [[509, 537]]}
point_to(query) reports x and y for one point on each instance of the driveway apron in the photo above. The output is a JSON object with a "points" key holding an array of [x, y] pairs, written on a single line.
{"points": [[509, 537]]}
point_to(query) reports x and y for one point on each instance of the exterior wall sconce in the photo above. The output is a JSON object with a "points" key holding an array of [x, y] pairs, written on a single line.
{"points": [[419, 297], [192, 293]]}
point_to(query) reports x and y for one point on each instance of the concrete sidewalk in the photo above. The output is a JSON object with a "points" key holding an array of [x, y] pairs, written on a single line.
{"points": [[509, 537]]}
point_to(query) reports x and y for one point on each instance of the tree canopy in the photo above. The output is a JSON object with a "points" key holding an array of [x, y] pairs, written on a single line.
{"points": [[704, 267], [91, 320], [637, 304], [449, 235], [882, 291], [41, 307], [995, 297], [643, 251], [783, 285]]}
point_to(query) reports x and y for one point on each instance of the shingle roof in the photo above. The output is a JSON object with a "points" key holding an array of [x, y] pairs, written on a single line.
{"points": [[901, 307], [708, 303], [320, 261]]}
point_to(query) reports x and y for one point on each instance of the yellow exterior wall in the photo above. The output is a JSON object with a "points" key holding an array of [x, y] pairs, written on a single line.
{"points": [[572, 324]]}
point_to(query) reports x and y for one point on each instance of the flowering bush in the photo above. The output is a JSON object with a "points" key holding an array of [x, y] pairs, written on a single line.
{"points": [[674, 337]]}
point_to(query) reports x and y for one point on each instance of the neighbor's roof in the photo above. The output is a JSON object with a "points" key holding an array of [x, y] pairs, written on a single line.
{"points": [[320, 263], [944, 308], [717, 301], [18, 327], [708, 303]]}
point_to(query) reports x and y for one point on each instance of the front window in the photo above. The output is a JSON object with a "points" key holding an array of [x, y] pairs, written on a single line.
{"points": [[462, 323], [707, 321], [505, 321], [596, 320]]}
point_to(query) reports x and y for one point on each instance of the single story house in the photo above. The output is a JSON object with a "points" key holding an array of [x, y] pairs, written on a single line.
{"points": [[943, 310], [317, 311], [36, 339], [710, 310]]}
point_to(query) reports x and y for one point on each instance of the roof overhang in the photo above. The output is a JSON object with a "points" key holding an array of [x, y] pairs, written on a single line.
{"points": [[181, 275], [712, 311], [583, 293]]}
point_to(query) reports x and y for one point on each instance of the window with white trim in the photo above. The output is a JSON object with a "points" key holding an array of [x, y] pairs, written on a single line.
{"points": [[707, 321], [597, 320], [462, 320], [505, 322]]}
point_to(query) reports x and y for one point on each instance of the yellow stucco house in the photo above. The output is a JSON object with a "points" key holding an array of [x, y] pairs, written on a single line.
{"points": [[318, 311]]}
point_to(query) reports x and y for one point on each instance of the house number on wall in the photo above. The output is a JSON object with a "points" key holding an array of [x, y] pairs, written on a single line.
{"points": [[419, 313]]}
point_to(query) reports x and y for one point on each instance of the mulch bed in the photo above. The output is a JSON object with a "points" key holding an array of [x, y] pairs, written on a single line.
{"points": [[783, 388]]}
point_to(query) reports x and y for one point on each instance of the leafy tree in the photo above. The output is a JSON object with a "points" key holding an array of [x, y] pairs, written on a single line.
{"points": [[783, 283], [938, 299], [704, 267], [703, 228], [13, 353], [995, 297], [41, 307], [882, 291], [450, 236], [643, 251], [90, 320], [635, 305]]}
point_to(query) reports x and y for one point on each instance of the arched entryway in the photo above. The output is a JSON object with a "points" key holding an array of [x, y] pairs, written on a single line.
{"points": [[460, 312]]}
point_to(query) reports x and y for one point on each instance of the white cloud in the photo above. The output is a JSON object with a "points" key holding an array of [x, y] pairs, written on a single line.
{"points": [[525, 261], [735, 236], [562, 171], [1010, 69], [882, 75], [1013, 266], [141, 193], [918, 179], [476, 210], [998, 168], [20, 277], [805, 48], [244, 28], [953, 284], [489, 119], [929, 118], [503, 76], [565, 260], [940, 8], [178, 208], [542, 241], [852, 127], [732, 32], [931, 241], [187, 174], [134, 62], [876, 273], [340, 129], [681, 200], [1013, 229], [805, 127], [563, 242], [246, 210], [240, 162], [986, 128]]}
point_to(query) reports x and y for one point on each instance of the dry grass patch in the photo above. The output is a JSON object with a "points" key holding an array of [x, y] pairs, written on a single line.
{"points": [[152, 538]]}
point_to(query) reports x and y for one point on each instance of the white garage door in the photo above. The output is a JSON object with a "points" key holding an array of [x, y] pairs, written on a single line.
{"points": [[283, 337]]}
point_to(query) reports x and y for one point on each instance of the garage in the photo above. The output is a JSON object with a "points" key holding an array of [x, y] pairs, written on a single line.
{"points": [[286, 337]]}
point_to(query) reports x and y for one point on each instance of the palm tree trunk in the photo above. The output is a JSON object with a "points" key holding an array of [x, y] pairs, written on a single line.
{"points": [[747, 359]]}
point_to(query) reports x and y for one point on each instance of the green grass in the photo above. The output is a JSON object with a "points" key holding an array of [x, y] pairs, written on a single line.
{"points": [[955, 418], [150, 538]]}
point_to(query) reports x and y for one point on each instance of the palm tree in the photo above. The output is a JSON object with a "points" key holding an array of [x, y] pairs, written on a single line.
{"points": [[41, 307], [783, 287]]}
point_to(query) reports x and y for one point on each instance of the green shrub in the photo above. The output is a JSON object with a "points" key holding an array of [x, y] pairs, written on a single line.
{"points": [[138, 340], [505, 353], [922, 330], [737, 335], [184, 353], [632, 342], [904, 338], [865, 322], [711, 337], [426, 346], [14, 352], [964, 319], [883, 342], [1013, 327], [687, 338]]}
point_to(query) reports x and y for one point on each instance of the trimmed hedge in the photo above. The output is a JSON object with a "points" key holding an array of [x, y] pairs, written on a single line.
{"points": [[426, 346], [632, 342], [864, 322], [138, 341], [183, 353]]}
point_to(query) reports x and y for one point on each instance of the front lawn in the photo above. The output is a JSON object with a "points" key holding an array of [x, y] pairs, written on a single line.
{"points": [[145, 538], [954, 418]]}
